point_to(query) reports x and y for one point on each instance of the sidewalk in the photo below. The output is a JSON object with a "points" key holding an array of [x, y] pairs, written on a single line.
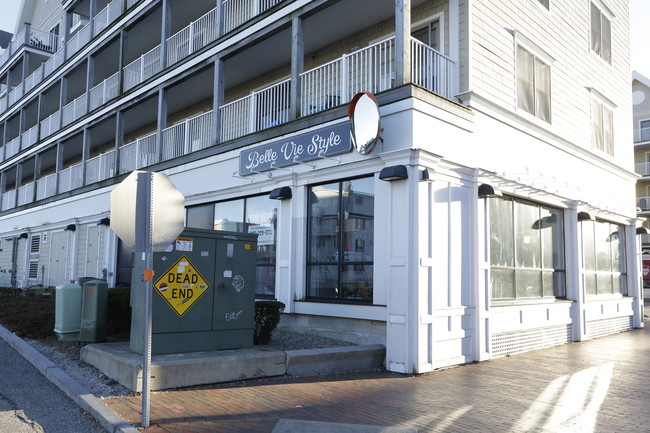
{"points": [[601, 385]]}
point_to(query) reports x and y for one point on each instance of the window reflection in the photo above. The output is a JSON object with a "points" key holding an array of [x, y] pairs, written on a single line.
{"points": [[341, 240]]}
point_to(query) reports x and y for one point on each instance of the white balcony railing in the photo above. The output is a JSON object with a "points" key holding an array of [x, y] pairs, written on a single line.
{"points": [[368, 69], [54, 62], [100, 167], [46, 186], [189, 136], [642, 168], [51, 124], [8, 199], [643, 203], [431, 69], [74, 110], [71, 177], [35, 38], [25, 194], [143, 68], [104, 91], [35, 78], [15, 94], [76, 42], [12, 147], [139, 153], [259, 110], [642, 134], [192, 38], [107, 15], [29, 137], [237, 12]]}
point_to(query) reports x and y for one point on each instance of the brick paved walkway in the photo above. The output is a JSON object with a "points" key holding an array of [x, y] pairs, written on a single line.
{"points": [[601, 385]]}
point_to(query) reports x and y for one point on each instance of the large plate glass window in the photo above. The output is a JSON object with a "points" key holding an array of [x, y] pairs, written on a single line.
{"points": [[603, 245], [248, 215], [341, 241], [526, 250]]}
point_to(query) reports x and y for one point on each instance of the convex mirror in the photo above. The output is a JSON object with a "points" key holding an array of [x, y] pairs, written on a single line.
{"points": [[364, 122]]}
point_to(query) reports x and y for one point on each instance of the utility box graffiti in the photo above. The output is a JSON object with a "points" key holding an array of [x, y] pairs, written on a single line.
{"points": [[204, 293]]}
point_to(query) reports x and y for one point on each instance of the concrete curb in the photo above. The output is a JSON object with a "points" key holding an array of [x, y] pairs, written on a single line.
{"points": [[80, 395]]}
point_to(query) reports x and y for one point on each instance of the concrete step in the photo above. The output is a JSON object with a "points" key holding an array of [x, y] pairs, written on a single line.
{"points": [[179, 370]]}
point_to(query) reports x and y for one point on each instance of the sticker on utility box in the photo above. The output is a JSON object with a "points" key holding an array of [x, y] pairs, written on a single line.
{"points": [[181, 286]]}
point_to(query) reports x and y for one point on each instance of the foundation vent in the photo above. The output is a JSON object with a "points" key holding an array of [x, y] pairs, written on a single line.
{"points": [[514, 342], [600, 328]]}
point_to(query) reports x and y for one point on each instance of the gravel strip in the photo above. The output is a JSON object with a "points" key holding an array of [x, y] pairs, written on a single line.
{"points": [[66, 356]]}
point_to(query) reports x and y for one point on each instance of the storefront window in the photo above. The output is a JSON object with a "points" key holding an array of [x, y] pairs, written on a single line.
{"points": [[250, 215], [603, 246], [341, 241], [526, 250]]}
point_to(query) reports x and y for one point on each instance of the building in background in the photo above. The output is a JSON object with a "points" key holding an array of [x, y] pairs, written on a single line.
{"points": [[496, 215], [641, 122]]}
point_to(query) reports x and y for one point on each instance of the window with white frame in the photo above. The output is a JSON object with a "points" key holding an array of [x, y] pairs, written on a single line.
{"points": [[526, 250], [644, 130], [533, 84], [603, 126], [601, 33], [603, 245]]}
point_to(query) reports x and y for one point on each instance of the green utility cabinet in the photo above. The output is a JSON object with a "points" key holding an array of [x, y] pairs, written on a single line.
{"points": [[203, 293]]}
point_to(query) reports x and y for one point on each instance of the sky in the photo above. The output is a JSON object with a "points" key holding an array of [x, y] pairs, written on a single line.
{"points": [[639, 27]]}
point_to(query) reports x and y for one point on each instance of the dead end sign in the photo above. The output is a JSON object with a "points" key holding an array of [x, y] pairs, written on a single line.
{"points": [[181, 286]]}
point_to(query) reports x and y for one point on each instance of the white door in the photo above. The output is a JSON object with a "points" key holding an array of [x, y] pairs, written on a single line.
{"points": [[58, 258]]}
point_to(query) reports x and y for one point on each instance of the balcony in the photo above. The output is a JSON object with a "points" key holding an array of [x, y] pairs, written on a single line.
{"points": [[40, 39], [643, 203], [641, 135], [100, 167], [335, 83]]}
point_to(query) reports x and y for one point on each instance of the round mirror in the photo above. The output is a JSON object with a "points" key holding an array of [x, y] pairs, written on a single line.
{"points": [[364, 122]]}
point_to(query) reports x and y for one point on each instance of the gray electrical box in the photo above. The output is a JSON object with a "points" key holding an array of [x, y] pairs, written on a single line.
{"points": [[203, 293], [94, 311]]}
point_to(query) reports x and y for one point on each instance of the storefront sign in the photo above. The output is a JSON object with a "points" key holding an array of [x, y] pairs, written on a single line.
{"points": [[323, 142]]}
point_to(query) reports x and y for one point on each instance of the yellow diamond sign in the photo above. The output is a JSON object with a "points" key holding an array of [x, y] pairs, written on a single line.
{"points": [[181, 286]]}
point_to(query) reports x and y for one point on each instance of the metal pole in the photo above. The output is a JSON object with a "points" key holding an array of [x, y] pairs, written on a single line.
{"points": [[143, 220]]}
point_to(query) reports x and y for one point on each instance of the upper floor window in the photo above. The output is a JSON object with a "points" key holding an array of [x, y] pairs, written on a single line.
{"points": [[603, 126], [533, 85], [601, 33], [428, 34]]}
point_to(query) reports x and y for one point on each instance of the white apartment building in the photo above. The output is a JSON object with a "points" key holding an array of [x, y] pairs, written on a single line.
{"points": [[508, 222]]}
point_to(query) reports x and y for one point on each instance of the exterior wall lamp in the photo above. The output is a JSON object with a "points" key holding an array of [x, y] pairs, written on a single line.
{"points": [[282, 193], [485, 190], [394, 172], [585, 216]]}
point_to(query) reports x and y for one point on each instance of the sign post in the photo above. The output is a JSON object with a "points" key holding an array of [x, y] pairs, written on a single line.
{"points": [[147, 213]]}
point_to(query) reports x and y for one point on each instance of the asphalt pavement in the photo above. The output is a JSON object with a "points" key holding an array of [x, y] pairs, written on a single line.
{"points": [[30, 403]]}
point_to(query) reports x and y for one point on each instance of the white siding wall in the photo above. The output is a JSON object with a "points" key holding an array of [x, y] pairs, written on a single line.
{"points": [[564, 34], [48, 14]]}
